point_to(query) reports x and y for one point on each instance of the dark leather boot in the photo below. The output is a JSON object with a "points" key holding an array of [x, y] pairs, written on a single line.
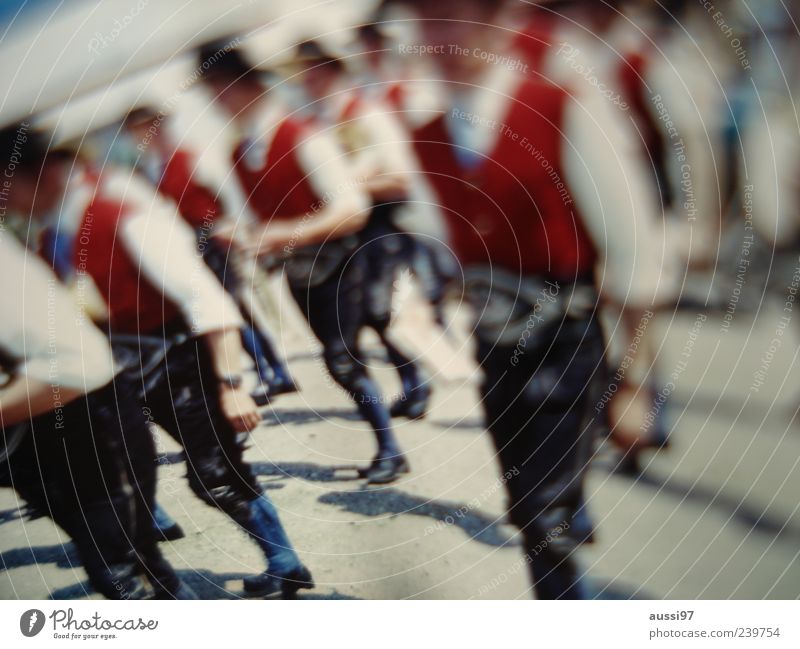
{"points": [[414, 405], [385, 469], [167, 529], [287, 585]]}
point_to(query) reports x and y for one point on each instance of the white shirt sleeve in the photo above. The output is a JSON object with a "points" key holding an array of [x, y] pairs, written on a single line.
{"points": [[42, 327], [608, 181], [388, 146], [169, 257], [329, 172]]}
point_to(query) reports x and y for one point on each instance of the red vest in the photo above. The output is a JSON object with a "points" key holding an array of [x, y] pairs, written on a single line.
{"points": [[510, 210], [197, 204], [135, 306], [277, 186]]}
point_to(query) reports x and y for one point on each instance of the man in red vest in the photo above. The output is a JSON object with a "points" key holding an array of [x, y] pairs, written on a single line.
{"points": [[376, 145], [180, 330], [76, 447], [534, 186], [178, 172], [311, 209]]}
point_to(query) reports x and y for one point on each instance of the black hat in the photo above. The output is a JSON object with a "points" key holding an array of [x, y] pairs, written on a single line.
{"points": [[223, 60], [22, 149]]}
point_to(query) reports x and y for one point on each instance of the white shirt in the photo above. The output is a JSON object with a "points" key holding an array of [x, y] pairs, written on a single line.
{"points": [[318, 154], [166, 251], [42, 326], [607, 177], [169, 256]]}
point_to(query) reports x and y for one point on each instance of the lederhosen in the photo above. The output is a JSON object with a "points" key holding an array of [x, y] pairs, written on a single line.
{"points": [[541, 355], [384, 246], [328, 284]]}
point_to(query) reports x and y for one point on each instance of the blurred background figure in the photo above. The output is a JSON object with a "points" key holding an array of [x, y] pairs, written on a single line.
{"points": [[512, 147], [378, 153]]}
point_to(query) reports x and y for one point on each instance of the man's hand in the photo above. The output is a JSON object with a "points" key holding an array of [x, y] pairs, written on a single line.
{"points": [[276, 238], [227, 233], [387, 187], [239, 409]]}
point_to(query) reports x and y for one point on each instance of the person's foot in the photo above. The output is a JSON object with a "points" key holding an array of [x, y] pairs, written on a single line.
{"points": [[171, 533], [268, 584], [385, 469], [264, 392], [412, 405], [261, 394], [627, 464], [167, 529], [122, 581], [282, 385], [630, 446], [298, 579]]}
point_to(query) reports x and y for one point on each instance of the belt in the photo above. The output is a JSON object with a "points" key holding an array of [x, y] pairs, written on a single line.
{"points": [[312, 265], [506, 304]]}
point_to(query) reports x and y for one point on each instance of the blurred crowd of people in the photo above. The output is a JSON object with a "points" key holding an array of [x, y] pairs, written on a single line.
{"points": [[563, 167]]}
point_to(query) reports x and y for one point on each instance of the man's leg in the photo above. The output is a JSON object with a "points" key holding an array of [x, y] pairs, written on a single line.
{"points": [[271, 369], [385, 249], [217, 472], [537, 413], [72, 468], [334, 310], [122, 413]]}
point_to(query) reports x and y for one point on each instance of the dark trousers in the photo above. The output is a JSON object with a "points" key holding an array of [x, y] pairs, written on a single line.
{"points": [[91, 467], [537, 410], [336, 311], [385, 249], [181, 394], [180, 390], [357, 294]]}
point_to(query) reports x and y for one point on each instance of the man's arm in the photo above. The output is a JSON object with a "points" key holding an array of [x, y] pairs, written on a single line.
{"points": [[617, 200], [343, 206], [167, 253], [61, 354], [26, 397]]}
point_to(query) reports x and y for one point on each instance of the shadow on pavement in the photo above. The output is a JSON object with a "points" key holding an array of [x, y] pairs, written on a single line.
{"points": [[460, 424], [752, 517], [306, 471], [275, 416], [64, 556], [207, 585], [373, 502]]}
